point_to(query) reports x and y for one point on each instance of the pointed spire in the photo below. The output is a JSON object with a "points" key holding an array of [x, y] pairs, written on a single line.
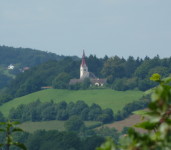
{"points": [[83, 53], [83, 59]]}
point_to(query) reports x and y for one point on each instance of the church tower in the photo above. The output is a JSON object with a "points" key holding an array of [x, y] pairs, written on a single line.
{"points": [[83, 67]]}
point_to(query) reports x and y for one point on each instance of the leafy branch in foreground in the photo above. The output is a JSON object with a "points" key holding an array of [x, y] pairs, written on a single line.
{"points": [[9, 141], [157, 124]]}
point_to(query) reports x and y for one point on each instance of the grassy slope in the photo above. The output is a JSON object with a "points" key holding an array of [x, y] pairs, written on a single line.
{"points": [[6, 72], [48, 125], [106, 98]]}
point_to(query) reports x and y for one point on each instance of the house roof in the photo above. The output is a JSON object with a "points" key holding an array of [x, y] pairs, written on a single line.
{"points": [[88, 75], [93, 81]]}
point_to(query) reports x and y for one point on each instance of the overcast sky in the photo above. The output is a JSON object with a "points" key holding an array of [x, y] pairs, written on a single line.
{"points": [[103, 27]]}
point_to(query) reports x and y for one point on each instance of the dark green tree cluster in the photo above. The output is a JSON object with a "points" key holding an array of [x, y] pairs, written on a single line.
{"points": [[55, 140], [129, 74], [38, 111], [4, 80], [106, 132], [80, 86]]}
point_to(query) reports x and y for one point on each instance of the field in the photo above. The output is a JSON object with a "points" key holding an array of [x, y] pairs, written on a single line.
{"points": [[49, 125], [128, 122], [106, 98]]}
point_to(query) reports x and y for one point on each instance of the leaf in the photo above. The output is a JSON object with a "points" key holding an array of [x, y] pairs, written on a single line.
{"points": [[141, 112], [2, 130], [20, 145], [146, 125], [152, 106], [168, 121], [17, 129], [166, 80], [2, 123], [1, 145], [15, 122], [155, 77], [142, 118]]}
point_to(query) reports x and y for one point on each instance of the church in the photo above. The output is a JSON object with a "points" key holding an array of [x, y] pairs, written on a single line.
{"points": [[84, 73]]}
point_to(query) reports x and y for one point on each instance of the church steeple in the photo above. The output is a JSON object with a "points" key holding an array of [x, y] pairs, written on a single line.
{"points": [[83, 60], [83, 67]]}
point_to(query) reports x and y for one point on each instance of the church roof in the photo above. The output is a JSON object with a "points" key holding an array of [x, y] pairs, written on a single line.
{"points": [[88, 75], [93, 81], [72, 81], [83, 60]]}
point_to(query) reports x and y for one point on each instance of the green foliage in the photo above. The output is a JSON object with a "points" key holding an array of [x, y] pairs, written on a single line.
{"points": [[125, 130], [61, 81], [4, 80], [56, 140], [86, 84], [106, 132], [9, 131], [2, 118], [74, 123], [158, 121], [5, 98], [113, 68], [37, 111]]}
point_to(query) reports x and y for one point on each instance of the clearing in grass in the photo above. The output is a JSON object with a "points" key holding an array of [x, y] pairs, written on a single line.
{"points": [[49, 125]]}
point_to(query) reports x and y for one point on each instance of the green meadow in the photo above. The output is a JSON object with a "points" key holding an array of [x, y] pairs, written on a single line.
{"points": [[49, 125], [106, 98]]}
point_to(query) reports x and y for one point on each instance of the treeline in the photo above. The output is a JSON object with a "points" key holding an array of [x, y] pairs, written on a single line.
{"points": [[121, 74], [54, 140], [26, 57], [38, 111], [129, 74], [4, 80]]}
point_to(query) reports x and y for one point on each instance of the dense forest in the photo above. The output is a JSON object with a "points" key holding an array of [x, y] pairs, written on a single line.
{"points": [[121, 74], [23, 57], [26, 57]]}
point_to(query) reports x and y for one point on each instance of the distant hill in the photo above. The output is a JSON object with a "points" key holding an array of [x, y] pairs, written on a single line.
{"points": [[27, 57], [106, 98], [20, 58]]}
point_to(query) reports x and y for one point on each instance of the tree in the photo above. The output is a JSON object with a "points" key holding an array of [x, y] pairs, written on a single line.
{"points": [[74, 123], [86, 83], [9, 131], [61, 81], [113, 68]]}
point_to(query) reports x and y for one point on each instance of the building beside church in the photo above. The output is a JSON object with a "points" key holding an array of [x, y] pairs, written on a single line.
{"points": [[84, 73]]}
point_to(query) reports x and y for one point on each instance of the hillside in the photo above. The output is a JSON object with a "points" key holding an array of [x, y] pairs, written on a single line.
{"points": [[26, 57], [106, 98]]}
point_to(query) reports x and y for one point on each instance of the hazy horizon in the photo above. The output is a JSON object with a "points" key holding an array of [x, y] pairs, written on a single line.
{"points": [[102, 27]]}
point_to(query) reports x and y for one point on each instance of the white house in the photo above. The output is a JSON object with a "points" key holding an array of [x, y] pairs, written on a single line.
{"points": [[10, 66]]}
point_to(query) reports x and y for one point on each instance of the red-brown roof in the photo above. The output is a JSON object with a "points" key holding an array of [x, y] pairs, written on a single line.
{"points": [[83, 60]]}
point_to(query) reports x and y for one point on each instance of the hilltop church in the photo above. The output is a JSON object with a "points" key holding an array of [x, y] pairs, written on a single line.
{"points": [[84, 73]]}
